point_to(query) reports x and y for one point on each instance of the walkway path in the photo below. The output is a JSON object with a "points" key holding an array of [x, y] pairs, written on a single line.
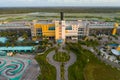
{"points": [[69, 63], [57, 64], [54, 63], [33, 69]]}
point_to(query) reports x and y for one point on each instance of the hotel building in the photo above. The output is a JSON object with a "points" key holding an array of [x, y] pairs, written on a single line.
{"points": [[61, 30]]}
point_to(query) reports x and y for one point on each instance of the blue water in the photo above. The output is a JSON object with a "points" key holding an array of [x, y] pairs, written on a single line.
{"points": [[3, 53], [3, 39], [113, 45], [59, 41]]}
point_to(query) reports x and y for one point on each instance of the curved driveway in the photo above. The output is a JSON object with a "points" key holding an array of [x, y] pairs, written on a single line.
{"points": [[69, 63], [57, 64]]}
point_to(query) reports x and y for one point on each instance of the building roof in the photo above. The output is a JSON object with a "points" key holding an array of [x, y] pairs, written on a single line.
{"points": [[17, 48], [72, 22], [101, 25], [115, 52], [13, 26], [44, 22], [112, 58], [92, 24]]}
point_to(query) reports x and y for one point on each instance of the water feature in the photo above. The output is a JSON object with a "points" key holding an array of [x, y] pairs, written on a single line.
{"points": [[113, 45], [13, 68], [3, 39]]}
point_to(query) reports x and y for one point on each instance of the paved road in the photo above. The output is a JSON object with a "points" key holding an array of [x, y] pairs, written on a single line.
{"points": [[69, 63], [54, 63], [32, 72], [57, 64]]}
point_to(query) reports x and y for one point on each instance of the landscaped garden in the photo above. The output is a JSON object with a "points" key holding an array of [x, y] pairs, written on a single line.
{"points": [[88, 67], [61, 57], [92, 43], [48, 72]]}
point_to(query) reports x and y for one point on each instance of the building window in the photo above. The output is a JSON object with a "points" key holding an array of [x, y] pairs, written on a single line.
{"points": [[80, 29], [68, 27], [39, 30], [51, 28], [39, 34]]}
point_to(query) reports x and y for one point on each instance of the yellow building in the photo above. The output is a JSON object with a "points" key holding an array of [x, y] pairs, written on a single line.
{"points": [[54, 30], [118, 48], [47, 30], [115, 29], [58, 30]]}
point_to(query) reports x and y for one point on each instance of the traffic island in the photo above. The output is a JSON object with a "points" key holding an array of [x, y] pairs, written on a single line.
{"points": [[61, 61]]}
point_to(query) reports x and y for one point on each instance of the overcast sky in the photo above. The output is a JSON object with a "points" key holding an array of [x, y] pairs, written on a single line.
{"points": [[38, 3]]}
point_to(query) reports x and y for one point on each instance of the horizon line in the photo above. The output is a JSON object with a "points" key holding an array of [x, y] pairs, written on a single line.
{"points": [[59, 6]]}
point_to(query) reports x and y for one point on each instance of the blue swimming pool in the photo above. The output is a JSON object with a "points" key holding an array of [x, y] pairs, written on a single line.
{"points": [[113, 45], [3, 39], [3, 53]]}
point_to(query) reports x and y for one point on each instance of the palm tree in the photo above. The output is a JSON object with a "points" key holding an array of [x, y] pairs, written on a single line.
{"points": [[25, 36]]}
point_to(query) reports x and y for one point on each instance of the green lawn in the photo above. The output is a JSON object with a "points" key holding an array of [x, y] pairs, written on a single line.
{"points": [[101, 72], [48, 72], [61, 57], [88, 67], [62, 71], [92, 43]]}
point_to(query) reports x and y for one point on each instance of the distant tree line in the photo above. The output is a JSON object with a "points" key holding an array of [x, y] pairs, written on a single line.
{"points": [[59, 9]]}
